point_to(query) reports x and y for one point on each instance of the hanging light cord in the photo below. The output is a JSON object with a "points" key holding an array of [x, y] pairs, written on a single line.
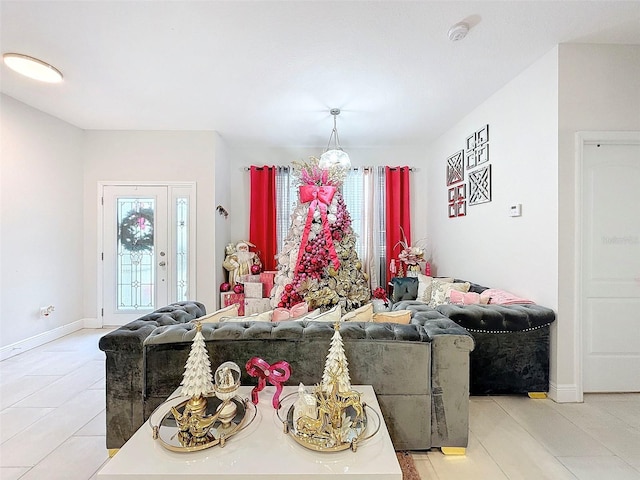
{"points": [[334, 133]]}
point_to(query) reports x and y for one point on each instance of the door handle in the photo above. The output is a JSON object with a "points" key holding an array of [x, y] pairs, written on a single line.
{"points": [[162, 264]]}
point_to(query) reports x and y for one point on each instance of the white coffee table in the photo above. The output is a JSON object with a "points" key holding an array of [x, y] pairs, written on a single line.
{"points": [[262, 451]]}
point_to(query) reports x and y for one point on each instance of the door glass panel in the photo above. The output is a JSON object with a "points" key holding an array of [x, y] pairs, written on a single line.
{"points": [[182, 248], [135, 256]]}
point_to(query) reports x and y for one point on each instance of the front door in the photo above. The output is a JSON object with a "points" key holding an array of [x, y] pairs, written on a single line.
{"points": [[611, 267], [148, 249]]}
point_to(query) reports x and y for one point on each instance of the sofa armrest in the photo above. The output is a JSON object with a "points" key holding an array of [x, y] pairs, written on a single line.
{"points": [[124, 381], [450, 349]]}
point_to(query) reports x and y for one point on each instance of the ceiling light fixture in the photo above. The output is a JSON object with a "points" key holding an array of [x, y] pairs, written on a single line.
{"points": [[334, 156], [32, 67], [458, 31]]}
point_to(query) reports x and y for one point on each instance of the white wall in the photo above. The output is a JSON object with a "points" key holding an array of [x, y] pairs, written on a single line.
{"points": [[487, 246], [148, 156], [599, 91], [42, 215], [243, 157]]}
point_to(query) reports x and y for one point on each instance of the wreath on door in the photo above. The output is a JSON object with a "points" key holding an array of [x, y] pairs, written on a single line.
{"points": [[135, 231]]}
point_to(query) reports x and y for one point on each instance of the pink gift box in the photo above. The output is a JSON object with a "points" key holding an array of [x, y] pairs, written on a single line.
{"points": [[229, 298]]}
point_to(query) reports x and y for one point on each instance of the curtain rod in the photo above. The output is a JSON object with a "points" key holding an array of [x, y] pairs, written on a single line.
{"points": [[284, 167]]}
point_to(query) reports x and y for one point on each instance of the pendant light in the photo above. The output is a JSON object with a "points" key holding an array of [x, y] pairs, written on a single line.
{"points": [[334, 155]]}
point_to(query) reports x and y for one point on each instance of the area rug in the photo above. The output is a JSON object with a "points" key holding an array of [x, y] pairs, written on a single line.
{"points": [[409, 471]]}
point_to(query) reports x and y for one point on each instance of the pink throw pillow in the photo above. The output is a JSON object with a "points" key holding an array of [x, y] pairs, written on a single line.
{"points": [[464, 298], [282, 313]]}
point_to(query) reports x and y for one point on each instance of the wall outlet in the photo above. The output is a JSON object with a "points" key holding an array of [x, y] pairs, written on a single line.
{"points": [[515, 210]]}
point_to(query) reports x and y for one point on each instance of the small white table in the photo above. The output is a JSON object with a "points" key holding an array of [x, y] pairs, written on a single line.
{"points": [[260, 452]]}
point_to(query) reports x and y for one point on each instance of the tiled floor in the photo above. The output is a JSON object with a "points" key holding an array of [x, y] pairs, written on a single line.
{"points": [[52, 426]]}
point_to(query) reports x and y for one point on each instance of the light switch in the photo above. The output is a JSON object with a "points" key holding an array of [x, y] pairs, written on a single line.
{"points": [[515, 210]]}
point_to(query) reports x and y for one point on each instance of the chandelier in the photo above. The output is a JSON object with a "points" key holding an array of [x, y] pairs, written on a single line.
{"points": [[334, 156]]}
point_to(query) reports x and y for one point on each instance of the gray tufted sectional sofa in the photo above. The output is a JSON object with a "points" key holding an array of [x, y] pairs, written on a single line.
{"points": [[419, 371], [512, 342]]}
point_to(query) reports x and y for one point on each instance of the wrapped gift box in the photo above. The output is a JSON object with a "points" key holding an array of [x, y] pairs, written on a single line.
{"points": [[253, 290], [229, 298], [267, 279], [249, 278], [256, 305]]}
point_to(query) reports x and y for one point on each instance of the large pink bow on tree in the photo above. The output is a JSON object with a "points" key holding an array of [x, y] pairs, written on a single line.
{"points": [[320, 197], [277, 374]]}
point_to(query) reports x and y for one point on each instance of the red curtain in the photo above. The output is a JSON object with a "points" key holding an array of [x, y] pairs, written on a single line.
{"points": [[398, 212], [262, 215]]}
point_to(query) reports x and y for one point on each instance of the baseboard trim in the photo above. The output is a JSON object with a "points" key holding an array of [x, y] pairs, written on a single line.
{"points": [[92, 323], [564, 393], [40, 339]]}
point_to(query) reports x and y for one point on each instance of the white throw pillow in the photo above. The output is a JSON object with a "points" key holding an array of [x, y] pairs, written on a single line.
{"points": [[256, 317], [362, 314], [230, 311], [332, 315], [424, 288], [440, 289]]}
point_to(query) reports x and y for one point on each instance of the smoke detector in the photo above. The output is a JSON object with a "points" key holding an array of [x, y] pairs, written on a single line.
{"points": [[458, 31]]}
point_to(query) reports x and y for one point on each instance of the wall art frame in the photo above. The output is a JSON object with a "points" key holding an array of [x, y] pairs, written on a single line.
{"points": [[455, 168], [480, 186]]}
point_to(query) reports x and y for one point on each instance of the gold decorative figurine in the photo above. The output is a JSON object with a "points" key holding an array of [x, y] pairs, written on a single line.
{"points": [[203, 420], [332, 417]]}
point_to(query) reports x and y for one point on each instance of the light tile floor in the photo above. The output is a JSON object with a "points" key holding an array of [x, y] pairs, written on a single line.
{"points": [[52, 423]]}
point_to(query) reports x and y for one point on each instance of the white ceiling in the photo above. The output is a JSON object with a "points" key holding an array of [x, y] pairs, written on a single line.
{"points": [[267, 72]]}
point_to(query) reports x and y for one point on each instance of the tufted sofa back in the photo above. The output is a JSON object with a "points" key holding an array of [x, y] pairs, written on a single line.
{"points": [[130, 337]]}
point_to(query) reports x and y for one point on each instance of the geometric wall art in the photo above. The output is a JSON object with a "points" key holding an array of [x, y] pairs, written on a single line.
{"points": [[457, 201], [477, 148], [474, 158], [455, 168], [480, 186]]}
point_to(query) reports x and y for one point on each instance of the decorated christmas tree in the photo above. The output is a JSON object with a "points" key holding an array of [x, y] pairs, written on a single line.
{"points": [[319, 263], [197, 379], [336, 367]]}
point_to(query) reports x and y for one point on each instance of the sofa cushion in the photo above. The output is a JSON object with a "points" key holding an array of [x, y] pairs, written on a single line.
{"points": [[256, 317], [230, 311], [298, 310], [333, 315], [440, 288], [362, 314], [404, 288], [457, 297], [425, 286], [395, 316]]}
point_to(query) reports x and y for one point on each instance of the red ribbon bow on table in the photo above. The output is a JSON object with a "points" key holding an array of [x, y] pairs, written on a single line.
{"points": [[277, 374], [320, 197]]}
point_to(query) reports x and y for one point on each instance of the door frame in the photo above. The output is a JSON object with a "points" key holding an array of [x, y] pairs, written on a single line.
{"points": [[171, 210], [581, 139]]}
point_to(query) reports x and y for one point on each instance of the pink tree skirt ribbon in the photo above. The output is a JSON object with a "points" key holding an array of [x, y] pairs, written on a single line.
{"points": [[320, 197]]}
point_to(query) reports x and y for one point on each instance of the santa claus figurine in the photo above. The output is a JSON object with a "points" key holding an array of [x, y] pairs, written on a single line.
{"points": [[239, 261]]}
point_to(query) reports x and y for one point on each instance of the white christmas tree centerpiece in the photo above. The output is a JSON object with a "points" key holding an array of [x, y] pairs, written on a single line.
{"points": [[197, 379], [336, 368]]}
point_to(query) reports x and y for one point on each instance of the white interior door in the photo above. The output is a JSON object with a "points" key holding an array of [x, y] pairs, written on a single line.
{"points": [[611, 267], [136, 251]]}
